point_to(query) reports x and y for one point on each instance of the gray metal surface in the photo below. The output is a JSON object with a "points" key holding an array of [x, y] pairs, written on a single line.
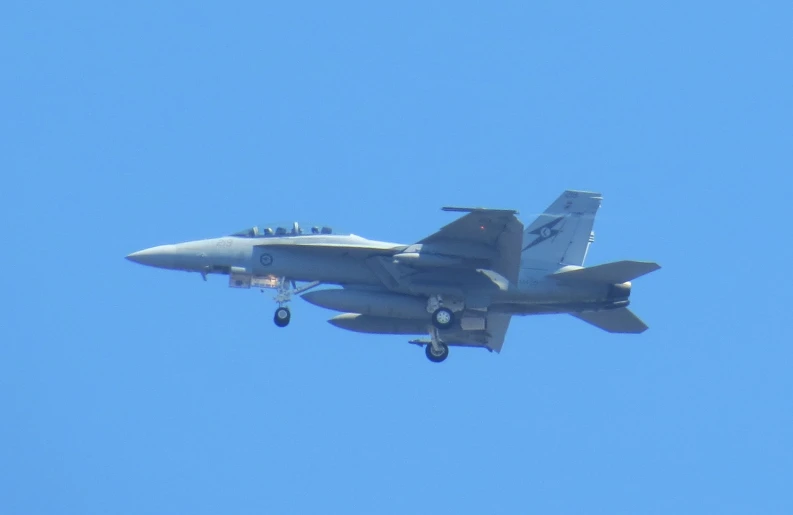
{"points": [[483, 268]]}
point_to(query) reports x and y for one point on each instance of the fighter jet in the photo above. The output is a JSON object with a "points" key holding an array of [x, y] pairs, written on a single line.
{"points": [[458, 287]]}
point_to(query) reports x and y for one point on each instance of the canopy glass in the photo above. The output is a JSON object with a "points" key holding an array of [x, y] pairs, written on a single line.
{"points": [[283, 230]]}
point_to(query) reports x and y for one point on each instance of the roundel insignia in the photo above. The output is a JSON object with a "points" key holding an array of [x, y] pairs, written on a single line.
{"points": [[266, 259], [545, 232]]}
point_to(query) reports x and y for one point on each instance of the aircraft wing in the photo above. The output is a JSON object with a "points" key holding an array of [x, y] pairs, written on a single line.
{"points": [[479, 226], [496, 231], [497, 325]]}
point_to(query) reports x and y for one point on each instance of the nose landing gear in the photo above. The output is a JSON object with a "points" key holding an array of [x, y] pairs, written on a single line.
{"points": [[282, 316], [286, 289]]}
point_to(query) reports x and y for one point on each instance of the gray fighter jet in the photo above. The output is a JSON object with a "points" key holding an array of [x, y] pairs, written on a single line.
{"points": [[459, 286]]}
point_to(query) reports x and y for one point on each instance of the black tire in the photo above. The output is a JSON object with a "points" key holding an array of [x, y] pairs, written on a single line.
{"points": [[436, 358], [282, 317], [443, 318]]}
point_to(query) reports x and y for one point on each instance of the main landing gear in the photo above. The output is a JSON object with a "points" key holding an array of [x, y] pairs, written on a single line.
{"points": [[286, 289], [443, 318], [436, 352], [442, 311], [435, 349]]}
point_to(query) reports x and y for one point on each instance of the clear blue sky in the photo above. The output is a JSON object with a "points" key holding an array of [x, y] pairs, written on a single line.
{"points": [[126, 389]]}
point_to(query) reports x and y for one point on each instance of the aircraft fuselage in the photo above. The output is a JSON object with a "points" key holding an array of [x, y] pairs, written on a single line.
{"points": [[461, 284]]}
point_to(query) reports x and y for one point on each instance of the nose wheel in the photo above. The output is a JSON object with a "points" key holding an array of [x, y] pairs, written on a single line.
{"points": [[282, 317], [286, 290]]}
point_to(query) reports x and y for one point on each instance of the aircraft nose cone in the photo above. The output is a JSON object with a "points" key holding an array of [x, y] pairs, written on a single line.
{"points": [[134, 257], [160, 257]]}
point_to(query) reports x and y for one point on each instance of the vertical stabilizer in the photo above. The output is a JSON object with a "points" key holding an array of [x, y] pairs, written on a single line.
{"points": [[562, 234]]}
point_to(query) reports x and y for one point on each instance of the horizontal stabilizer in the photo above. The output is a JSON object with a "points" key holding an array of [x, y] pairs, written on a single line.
{"points": [[621, 320], [612, 273]]}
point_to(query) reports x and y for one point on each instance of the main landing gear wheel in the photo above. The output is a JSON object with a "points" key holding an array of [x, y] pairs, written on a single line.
{"points": [[282, 317], [443, 318], [436, 356]]}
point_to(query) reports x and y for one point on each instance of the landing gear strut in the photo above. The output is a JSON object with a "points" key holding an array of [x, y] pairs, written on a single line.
{"points": [[436, 356], [436, 350], [286, 289]]}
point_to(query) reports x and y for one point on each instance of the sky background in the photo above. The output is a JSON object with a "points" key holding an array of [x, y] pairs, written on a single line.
{"points": [[127, 389]]}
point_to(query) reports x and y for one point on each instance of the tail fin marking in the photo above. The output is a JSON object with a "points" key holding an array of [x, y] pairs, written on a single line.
{"points": [[563, 233]]}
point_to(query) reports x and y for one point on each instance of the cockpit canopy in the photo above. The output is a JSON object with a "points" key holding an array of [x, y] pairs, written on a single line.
{"points": [[282, 230]]}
